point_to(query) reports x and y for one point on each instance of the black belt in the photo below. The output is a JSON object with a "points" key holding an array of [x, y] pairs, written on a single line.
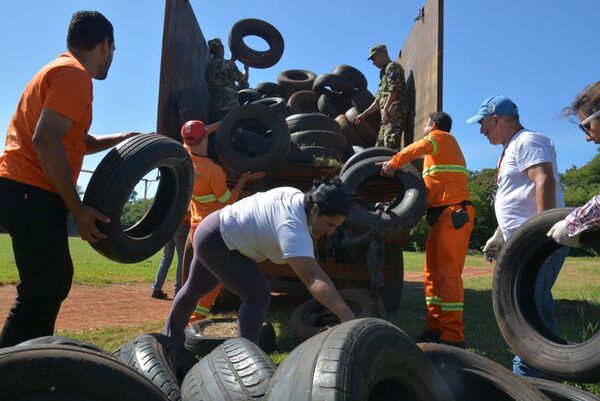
{"points": [[433, 214]]}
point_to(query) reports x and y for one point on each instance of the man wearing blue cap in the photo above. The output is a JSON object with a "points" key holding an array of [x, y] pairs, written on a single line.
{"points": [[527, 183]]}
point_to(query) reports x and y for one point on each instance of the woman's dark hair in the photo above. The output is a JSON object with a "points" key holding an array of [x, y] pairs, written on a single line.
{"points": [[331, 197], [442, 120], [588, 101], [87, 29]]}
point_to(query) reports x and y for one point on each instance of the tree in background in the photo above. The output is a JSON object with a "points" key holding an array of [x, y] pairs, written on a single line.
{"points": [[581, 184]]}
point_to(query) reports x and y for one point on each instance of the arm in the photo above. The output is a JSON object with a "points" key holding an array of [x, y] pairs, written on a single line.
{"points": [[372, 108], [320, 286], [406, 155], [542, 176], [388, 104], [244, 179], [47, 141], [96, 144]]}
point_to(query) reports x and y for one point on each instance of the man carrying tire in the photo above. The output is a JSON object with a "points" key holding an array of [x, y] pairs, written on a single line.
{"points": [[527, 184], [391, 99], [450, 215], [45, 144], [221, 76]]}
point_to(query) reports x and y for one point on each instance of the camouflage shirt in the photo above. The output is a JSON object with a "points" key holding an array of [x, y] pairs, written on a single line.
{"points": [[221, 76], [392, 79]]}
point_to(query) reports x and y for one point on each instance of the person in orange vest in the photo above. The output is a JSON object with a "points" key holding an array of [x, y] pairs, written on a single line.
{"points": [[450, 215], [210, 193]]}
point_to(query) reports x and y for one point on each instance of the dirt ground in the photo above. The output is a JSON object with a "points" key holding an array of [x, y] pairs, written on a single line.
{"points": [[126, 305]]}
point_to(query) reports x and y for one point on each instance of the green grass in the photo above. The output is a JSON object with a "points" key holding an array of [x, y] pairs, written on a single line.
{"points": [[90, 267], [576, 291]]}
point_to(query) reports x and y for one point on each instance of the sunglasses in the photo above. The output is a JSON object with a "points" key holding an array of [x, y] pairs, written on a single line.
{"points": [[585, 124]]}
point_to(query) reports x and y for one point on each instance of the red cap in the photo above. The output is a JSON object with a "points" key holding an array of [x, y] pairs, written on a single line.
{"points": [[193, 131]]}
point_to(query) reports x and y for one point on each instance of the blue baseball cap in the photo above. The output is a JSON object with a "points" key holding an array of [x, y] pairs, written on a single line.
{"points": [[498, 105]]}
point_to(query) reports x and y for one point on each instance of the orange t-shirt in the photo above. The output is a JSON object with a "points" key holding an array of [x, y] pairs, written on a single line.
{"points": [[210, 191], [64, 87]]}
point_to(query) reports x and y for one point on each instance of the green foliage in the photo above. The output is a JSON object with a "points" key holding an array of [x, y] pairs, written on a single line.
{"points": [[581, 184], [481, 187], [134, 210]]}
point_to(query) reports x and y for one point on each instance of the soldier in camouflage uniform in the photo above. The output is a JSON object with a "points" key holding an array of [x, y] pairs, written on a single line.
{"points": [[221, 76], [390, 98]]}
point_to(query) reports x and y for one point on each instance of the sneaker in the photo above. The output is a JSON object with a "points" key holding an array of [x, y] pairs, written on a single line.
{"points": [[428, 337], [459, 344], [159, 295]]}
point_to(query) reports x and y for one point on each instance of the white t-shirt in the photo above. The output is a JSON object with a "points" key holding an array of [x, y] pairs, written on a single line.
{"points": [[515, 198], [268, 225]]}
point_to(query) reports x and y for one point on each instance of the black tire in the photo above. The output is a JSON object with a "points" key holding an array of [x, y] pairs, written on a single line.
{"points": [[363, 359], [393, 285], [311, 317], [61, 340], [236, 119], [246, 96], [366, 154], [311, 121], [352, 74], [472, 377], [114, 179], [236, 370], [334, 83], [327, 139], [292, 81], [252, 143], [332, 104], [66, 373], [160, 359], [303, 102], [312, 154], [362, 100], [515, 308], [364, 129], [560, 392], [276, 103], [349, 132], [200, 345], [269, 89], [251, 57], [401, 215]]}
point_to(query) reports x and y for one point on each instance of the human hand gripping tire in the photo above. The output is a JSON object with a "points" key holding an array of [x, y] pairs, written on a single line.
{"points": [[387, 170], [559, 234], [493, 246], [85, 219], [249, 176]]}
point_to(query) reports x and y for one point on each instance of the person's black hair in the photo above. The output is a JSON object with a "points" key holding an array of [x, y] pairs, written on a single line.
{"points": [[442, 120], [330, 195], [87, 29]]}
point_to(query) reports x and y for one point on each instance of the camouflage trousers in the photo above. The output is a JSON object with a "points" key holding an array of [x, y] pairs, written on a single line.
{"points": [[390, 134]]}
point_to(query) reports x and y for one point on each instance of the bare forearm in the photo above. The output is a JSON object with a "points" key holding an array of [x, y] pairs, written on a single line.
{"points": [[99, 143], [54, 164], [372, 109], [322, 289]]}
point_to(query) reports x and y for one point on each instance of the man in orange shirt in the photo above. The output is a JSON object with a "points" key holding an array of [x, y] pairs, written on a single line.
{"points": [[210, 193], [45, 144], [450, 215]]}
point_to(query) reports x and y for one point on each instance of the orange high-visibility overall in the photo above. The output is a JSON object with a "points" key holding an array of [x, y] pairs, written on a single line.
{"points": [[210, 193], [445, 176]]}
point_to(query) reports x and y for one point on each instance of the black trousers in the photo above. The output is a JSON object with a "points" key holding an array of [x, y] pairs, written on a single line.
{"points": [[36, 220]]}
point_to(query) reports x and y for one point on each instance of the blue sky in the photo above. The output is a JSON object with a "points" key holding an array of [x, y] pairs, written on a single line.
{"points": [[539, 53]]}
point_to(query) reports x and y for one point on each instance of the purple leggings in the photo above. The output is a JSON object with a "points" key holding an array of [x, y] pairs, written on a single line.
{"points": [[213, 263]]}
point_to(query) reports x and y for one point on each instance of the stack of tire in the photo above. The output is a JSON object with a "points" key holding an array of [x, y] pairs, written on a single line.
{"points": [[320, 111]]}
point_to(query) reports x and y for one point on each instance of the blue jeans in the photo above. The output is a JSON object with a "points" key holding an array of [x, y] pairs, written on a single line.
{"points": [[177, 242], [544, 302]]}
